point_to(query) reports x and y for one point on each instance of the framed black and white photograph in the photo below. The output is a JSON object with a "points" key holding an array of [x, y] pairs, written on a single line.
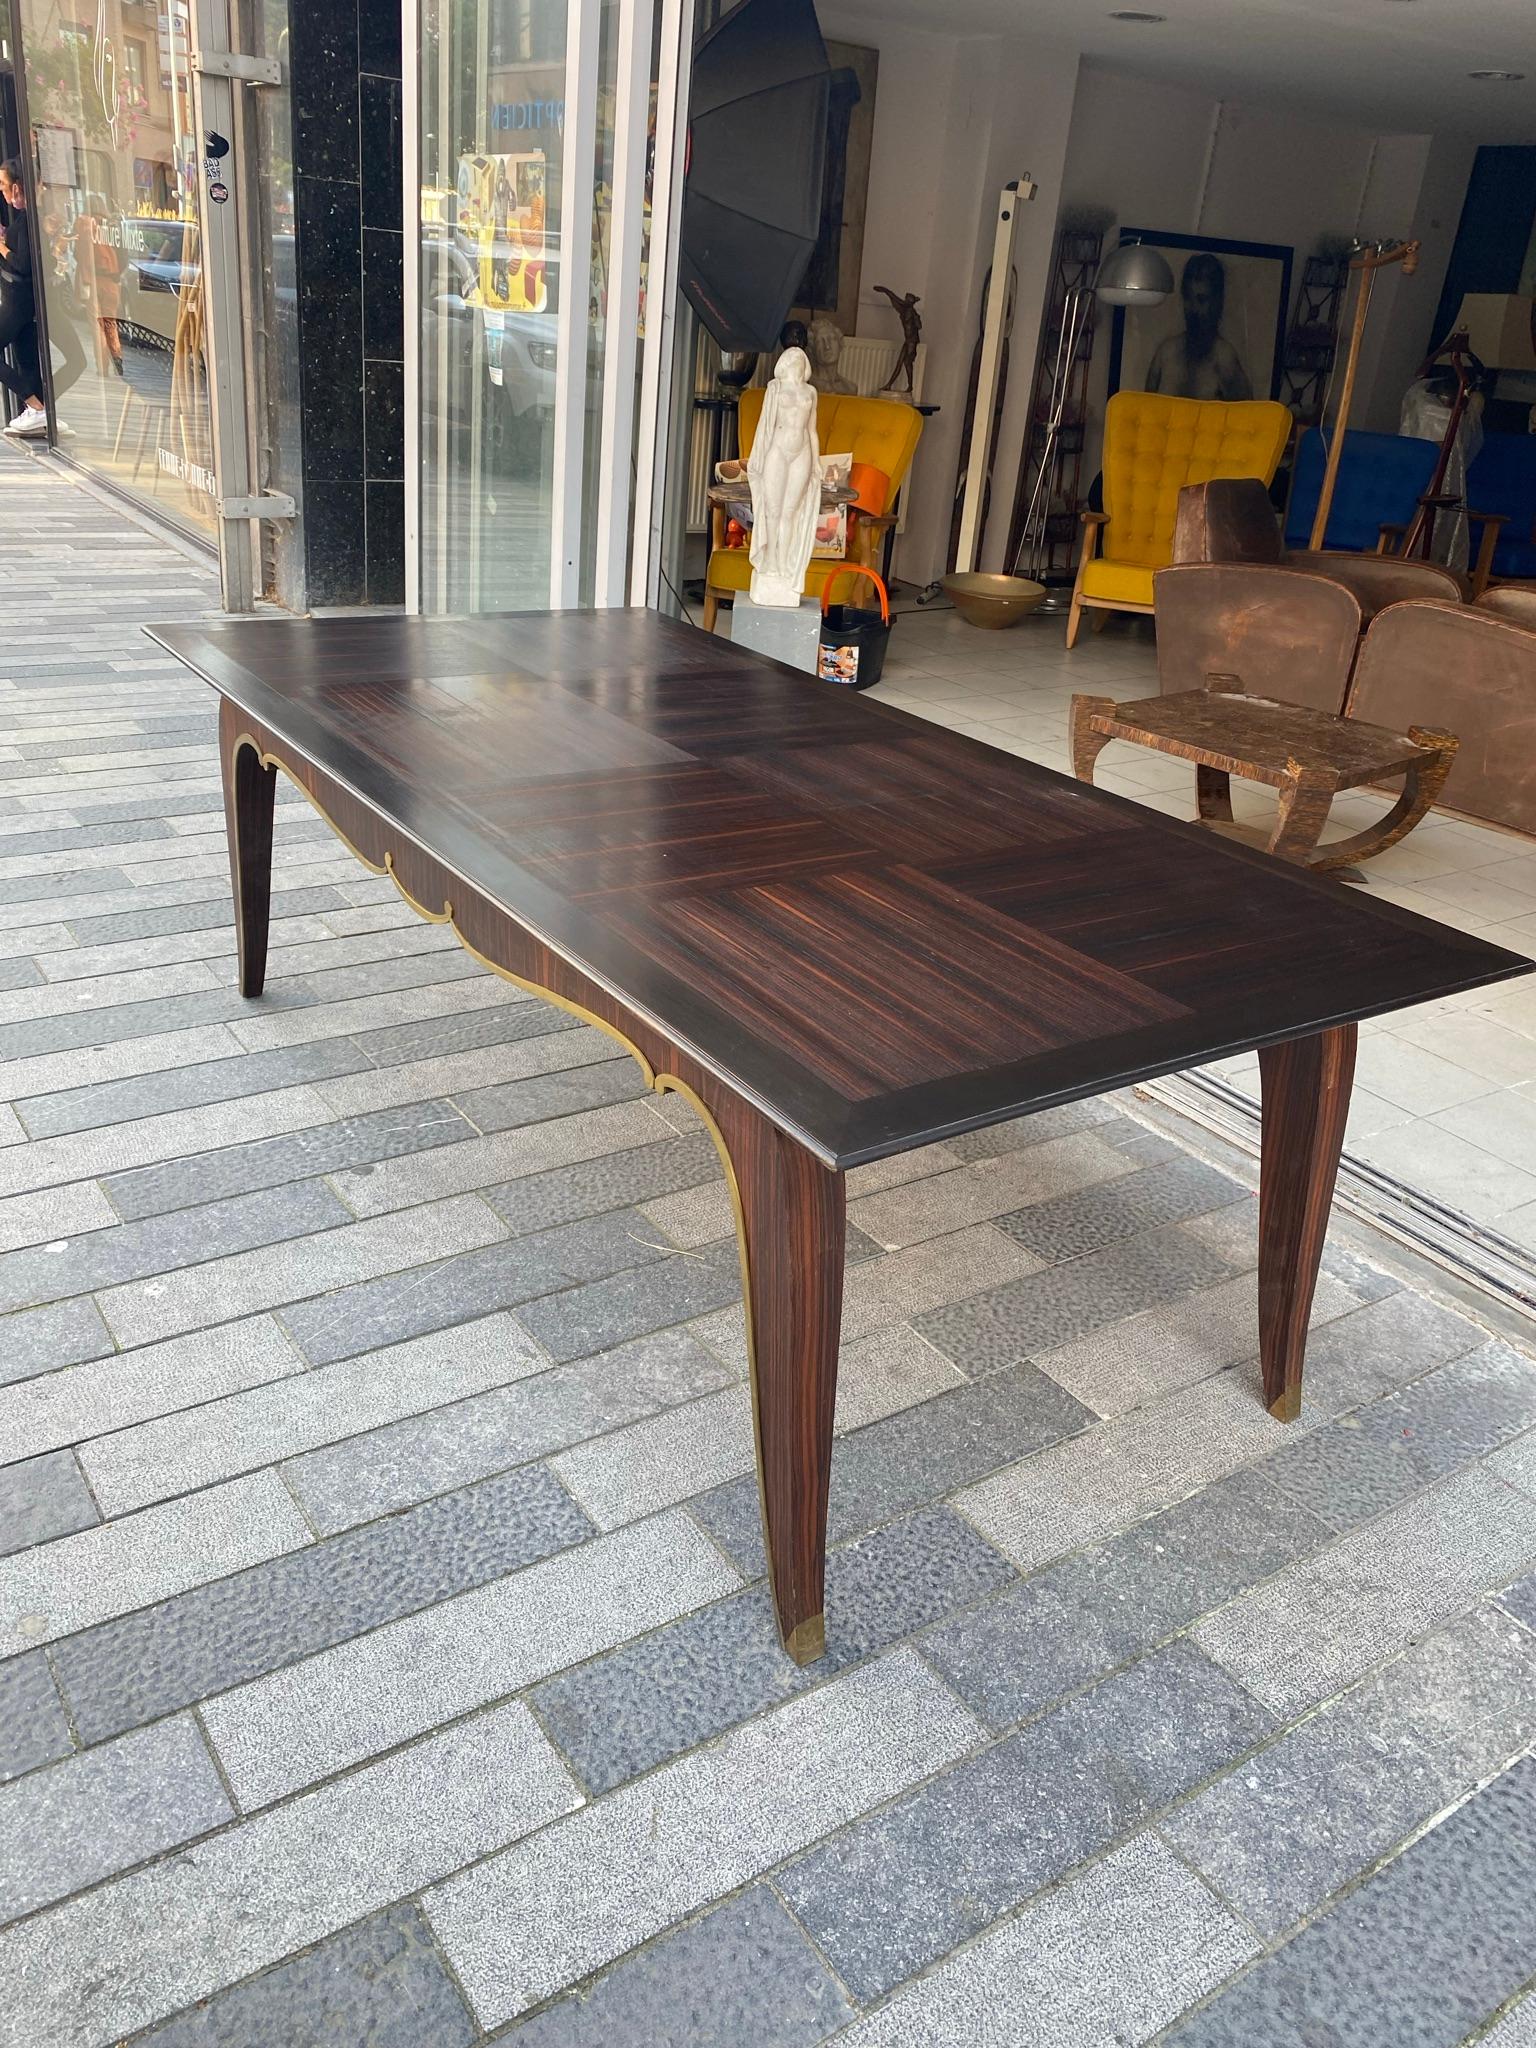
{"points": [[1220, 333]]}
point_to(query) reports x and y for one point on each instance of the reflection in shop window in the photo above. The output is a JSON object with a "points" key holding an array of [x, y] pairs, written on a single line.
{"points": [[118, 255]]}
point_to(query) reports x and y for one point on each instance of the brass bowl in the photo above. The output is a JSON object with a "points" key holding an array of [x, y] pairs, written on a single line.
{"points": [[995, 601]]}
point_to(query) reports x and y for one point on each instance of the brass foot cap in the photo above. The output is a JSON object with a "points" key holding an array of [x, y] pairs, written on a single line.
{"points": [[807, 1640], [1287, 1406]]}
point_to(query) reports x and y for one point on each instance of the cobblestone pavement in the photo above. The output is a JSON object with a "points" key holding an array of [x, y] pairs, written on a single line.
{"points": [[384, 1657]]}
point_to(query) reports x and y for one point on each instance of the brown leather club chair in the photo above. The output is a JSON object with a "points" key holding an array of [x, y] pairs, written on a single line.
{"points": [[1287, 622], [1466, 669]]}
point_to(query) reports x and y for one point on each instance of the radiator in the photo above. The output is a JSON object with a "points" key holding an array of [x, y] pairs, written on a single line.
{"points": [[865, 362]]}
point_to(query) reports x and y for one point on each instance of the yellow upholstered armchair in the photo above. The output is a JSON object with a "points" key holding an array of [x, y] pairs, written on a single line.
{"points": [[1153, 447], [881, 432]]}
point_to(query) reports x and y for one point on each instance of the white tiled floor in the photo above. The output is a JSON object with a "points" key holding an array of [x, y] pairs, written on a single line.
{"points": [[1445, 1094]]}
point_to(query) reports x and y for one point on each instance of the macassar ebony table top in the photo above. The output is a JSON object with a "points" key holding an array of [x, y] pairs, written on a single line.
{"points": [[878, 931]]}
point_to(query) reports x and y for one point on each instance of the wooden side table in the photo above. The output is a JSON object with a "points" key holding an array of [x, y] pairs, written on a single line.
{"points": [[1308, 756]]}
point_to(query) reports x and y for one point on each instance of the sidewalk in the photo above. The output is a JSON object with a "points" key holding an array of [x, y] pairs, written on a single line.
{"points": [[384, 1658]]}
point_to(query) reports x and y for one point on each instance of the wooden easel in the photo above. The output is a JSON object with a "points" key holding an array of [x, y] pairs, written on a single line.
{"points": [[1368, 262]]}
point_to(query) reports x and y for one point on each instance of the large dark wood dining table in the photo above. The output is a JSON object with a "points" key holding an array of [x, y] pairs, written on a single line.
{"points": [[839, 931]]}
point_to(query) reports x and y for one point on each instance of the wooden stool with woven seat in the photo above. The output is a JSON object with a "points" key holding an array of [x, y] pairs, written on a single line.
{"points": [[1308, 756]]}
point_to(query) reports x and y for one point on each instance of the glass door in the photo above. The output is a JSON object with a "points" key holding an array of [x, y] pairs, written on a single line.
{"points": [[118, 244], [536, 131]]}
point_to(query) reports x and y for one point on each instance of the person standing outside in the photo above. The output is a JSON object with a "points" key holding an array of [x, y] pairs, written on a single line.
{"points": [[18, 309]]}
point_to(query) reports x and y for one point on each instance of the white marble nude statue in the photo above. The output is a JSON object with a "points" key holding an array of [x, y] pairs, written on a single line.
{"points": [[784, 471]]}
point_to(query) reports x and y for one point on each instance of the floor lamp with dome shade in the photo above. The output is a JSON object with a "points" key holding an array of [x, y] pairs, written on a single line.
{"points": [[1132, 275]]}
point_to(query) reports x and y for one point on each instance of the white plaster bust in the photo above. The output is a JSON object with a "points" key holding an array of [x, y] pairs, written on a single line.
{"points": [[826, 339], [784, 472]]}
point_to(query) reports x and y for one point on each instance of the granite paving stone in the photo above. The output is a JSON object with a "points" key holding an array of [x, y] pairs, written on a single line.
{"points": [[385, 1469], [693, 1216], [1110, 1958], [159, 1938], [611, 1180], [1071, 1224], [50, 1073], [36, 1340], [1336, 1793], [485, 1066], [211, 910], [926, 1276], [77, 1580], [380, 1984], [1326, 1620], [185, 977], [33, 1727], [1516, 2030], [411, 1300], [135, 1020], [899, 1890], [1046, 1309], [187, 1087], [1085, 1489], [1357, 1467], [1381, 1347], [382, 977], [98, 1396], [1078, 1619], [35, 1219], [617, 1079], [289, 1729], [1432, 1945], [41, 1498], [276, 1276], [530, 1922], [260, 1027], [87, 1155], [103, 1811], [324, 1148], [662, 1460], [182, 1649], [474, 1164], [631, 1304], [1129, 1364], [106, 1258], [1033, 1130], [883, 1373], [1516, 1463], [651, 1700], [986, 1189], [19, 974], [395, 1045], [910, 1458], [1520, 1600], [263, 1424], [742, 1973]]}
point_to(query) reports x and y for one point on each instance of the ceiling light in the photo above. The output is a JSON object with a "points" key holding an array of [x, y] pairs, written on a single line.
{"points": [[1134, 14], [1497, 77]]}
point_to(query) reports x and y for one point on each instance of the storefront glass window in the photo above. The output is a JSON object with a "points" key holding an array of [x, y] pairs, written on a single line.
{"points": [[117, 243], [494, 106]]}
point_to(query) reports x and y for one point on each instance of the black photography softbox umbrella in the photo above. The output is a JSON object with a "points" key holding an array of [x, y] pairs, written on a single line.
{"points": [[757, 142]]}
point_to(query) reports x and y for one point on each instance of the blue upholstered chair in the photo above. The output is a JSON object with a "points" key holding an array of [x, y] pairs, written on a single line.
{"points": [[1502, 479], [1381, 479]]}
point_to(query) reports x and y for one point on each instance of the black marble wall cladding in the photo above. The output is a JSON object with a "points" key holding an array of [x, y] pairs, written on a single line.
{"points": [[328, 255], [335, 543], [322, 55], [379, 132], [378, 37], [347, 120], [385, 543], [384, 421], [383, 295]]}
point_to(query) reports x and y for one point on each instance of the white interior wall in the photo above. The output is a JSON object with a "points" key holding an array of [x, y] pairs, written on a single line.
{"points": [[956, 116]]}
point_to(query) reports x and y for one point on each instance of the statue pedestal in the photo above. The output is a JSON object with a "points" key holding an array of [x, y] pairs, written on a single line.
{"points": [[793, 637]]}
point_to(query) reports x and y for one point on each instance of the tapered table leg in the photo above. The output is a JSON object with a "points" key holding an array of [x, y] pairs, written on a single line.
{"points": [[791, 1222], [249, 793], [1305, 1086]]}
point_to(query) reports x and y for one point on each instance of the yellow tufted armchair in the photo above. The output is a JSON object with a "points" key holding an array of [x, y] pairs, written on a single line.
{"points": [[1153, 447], [880, 431]]}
